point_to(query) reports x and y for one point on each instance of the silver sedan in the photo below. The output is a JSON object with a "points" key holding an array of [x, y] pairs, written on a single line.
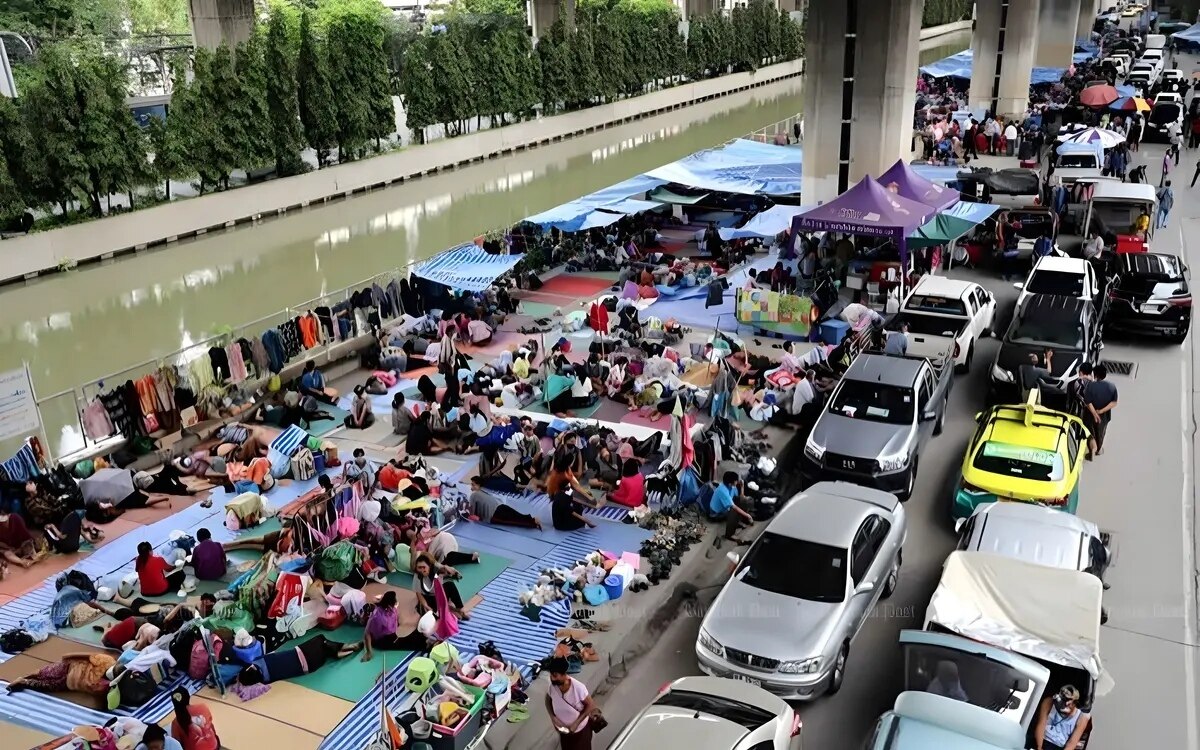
{"points": [[786, 618]]}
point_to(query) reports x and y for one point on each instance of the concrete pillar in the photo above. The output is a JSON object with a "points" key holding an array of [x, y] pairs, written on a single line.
{"points": [[1003, 52], [543, 14], [1057, 22], [217, 22], [1088, 11], [859, 94]]}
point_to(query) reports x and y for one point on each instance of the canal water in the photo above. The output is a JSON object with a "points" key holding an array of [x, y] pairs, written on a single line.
{"points": [[76, 327]]}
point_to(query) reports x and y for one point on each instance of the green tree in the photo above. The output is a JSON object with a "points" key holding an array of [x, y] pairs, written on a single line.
{"points": [[358, 74], [158, 17], [584, 74], [12, 202], [611, 47], [282, 94], [418, 87], [318, 112], [554, 56], [451, 64], [231, 143], [23, 158], [251, 105], [54, 19], [529, 75], [179, 144]]}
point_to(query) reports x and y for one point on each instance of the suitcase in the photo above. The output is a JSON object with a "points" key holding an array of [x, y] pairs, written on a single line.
{"points": [[303, 466]]}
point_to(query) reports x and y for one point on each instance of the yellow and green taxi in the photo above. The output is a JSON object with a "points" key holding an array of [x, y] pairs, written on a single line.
{"points": [[1026, 453]]}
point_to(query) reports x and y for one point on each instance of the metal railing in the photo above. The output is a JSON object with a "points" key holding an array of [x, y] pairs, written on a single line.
{"points": [[62, 413], [785, 127]]}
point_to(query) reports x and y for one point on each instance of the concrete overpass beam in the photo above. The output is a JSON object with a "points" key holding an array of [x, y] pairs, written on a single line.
{"points": [[1058, 21], [217, 22], [1003, 50], [859, 94]]}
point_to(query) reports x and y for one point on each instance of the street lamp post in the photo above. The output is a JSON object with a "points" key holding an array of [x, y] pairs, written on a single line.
{"points": [[8, 86]]}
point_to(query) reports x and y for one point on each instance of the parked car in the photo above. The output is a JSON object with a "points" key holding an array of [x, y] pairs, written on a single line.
{"points": [[1036, 534], [878, 421], [1062, 277], [1002, 689], [710, 713], [1115, 206], [1163, 117], [1027, 453], [1079, 161], [1150, 294], [941, 313], [1069, 328], [813, 576]]}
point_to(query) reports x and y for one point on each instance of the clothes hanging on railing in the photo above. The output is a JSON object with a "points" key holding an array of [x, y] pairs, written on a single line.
{"points": [[220, 363], [118, 412], [272, 343], [247, 350], [165, 379], [343, 313], [289, 334], [147, 396], [382, 301], [96, 423], [258, 353], [237, 364], [310, 334], [23, 466], [393, 293], [410, 298], [200, 373], [325, 318]]}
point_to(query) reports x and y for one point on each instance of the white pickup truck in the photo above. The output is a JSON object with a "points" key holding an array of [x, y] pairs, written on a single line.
{"points": [[940, 312]]}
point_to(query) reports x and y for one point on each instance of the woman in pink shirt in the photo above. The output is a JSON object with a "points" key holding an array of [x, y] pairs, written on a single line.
{"points": [[571, 708]]}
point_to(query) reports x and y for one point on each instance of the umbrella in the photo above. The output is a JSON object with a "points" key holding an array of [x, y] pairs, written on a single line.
{"points": [[1106, 138], [1099, 96], [1131, 104], [107, 486]]}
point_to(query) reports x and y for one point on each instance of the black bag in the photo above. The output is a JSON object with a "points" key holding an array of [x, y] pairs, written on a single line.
{"points": [[137, 688], [77, 579], [488, 649], [181, 645], [15, 641]]}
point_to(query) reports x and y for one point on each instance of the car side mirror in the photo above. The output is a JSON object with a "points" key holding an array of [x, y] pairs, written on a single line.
{"points": [[865, 587], [959, 524], [978, 416], [928, 416], [734, 557]]}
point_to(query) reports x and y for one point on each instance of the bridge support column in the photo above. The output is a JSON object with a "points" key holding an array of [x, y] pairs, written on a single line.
{"points": [[859, 94], [217, 22], [1088, 11], [1058, 21], [1003, 51], [543, 14]]}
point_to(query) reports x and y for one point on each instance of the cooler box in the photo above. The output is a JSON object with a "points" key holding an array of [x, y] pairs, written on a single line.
{"points": [[1131, 243], [458, 737], [833, 331]]}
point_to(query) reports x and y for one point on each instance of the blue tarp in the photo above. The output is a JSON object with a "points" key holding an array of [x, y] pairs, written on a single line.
{"points": [[765, 224], [973, 212], [634, 186], [1191, 34], [578, 215], [468, 267], [940, 175], [959, 66], [741, 166]]}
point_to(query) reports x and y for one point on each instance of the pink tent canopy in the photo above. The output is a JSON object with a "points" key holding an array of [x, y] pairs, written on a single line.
{"points": [[913, 186]]}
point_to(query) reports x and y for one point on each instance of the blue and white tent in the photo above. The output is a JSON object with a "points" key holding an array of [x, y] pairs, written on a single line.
{"points": [[467, 267]]}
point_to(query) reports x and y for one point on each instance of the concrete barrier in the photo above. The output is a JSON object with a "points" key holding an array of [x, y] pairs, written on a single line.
{"points": [[933, 32], [45, 252]]}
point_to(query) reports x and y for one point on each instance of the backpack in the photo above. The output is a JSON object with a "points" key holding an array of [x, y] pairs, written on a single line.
{"points": [[181, 645], [15, 641], [77, 579], [198, 664], [137, 688]]}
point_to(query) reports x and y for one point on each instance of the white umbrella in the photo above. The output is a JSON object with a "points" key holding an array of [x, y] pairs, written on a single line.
{"points": [[1106, 138]]}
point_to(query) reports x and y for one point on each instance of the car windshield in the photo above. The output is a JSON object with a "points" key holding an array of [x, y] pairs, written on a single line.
{"points": [[747, 716], [796, 568], [1078, 161], [874, 402], [967, 677], [1061, 283], [1151, 288], [1056, 334], [1019, 462], [930, 303]]}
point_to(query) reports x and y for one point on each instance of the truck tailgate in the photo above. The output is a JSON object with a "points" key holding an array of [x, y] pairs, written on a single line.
{"points": [[930, 336]]}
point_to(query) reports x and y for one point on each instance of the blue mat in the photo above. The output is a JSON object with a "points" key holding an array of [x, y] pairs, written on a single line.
{"points": [[503, 538]]}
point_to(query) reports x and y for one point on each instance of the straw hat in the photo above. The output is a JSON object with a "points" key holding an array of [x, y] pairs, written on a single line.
{"points": [[242, 639], [127, 585]]}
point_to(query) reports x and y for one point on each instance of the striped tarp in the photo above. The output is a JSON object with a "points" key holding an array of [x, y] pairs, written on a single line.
{"points": [[468, 267], [283, 447]]}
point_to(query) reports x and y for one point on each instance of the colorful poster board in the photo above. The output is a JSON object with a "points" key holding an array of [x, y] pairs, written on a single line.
{"points": [[772, 311]]}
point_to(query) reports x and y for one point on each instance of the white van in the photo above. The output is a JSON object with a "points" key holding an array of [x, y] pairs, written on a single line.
{"points": [[1115, 206]]}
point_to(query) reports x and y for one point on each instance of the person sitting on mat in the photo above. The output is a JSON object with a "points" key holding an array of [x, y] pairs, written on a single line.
{"points": [[156, 738], [16, 544], [631, 490], [312, 383], [290, 663], [156, 576], [380, 633], [568, 514], [426, 574], [491, 509], [360, 417], [420, 440], [65, 538], [79, 672], [279, 541], [442, 546]]}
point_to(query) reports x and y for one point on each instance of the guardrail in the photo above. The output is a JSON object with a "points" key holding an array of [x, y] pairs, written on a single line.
{"points": [[61, 413]]}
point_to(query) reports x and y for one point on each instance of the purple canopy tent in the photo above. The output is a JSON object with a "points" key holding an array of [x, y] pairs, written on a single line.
{"points": [[913, 186], [867, 209]]}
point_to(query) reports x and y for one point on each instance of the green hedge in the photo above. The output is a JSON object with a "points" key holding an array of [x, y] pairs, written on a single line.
{"points": [[938, 12]]}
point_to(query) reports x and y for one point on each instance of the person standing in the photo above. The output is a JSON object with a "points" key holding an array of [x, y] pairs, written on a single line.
{"points": [[193, 725], [1166, 201], [1101, 398], [571, 708], [1166, 167], [897, 341]]}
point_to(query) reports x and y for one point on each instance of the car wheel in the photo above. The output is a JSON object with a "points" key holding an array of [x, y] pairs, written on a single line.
{"points": [[839, 670], [966, 366], [893, 580]]}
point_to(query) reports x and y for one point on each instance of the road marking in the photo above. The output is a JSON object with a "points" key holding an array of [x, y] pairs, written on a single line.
{"points": [[1188, 530]]}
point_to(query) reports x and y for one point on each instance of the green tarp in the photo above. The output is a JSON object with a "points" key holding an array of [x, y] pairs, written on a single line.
{"points": [[941, 230]]}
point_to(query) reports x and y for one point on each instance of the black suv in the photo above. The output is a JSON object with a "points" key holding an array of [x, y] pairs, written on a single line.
{"points": [[1070, 327], [1150, 294]]}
